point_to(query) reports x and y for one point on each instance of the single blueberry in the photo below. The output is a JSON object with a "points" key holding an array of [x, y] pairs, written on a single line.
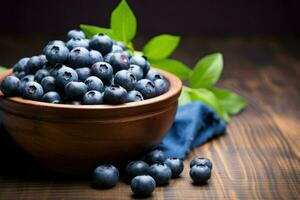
{"points": [[119, 62], [10, 86], [53, 71], [116, 49], [25, 80], [76, 34], [143, 185], [200, 173], [176, 166], [114, 94], [161, 173], [146, 88], [161, 85], [40, 74], [77, 42], [137, 71], [48, 83], [75, 90], [64, 76], [34, 64], [94, 83], [104, 71], [95, 56], [125, 79], [120, 44], [20, 65], [155, 156], [128, 54], [140, 61], [105, 176], [57, 53], [203, 161], [19, 75], [107, 57], [136, 168], [33, 90], [153, 75], [51, 43], [79, 57], [134, 96], [83, 73], [51, 97], [92, 97], [102, 43]]}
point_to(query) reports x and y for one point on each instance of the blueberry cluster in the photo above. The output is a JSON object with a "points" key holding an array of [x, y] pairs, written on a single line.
{"points": [[83, 71], [154, 170]]}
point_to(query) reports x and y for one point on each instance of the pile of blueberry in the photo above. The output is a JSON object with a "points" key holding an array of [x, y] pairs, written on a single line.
{"points": [[154, 170], [83, 71]]}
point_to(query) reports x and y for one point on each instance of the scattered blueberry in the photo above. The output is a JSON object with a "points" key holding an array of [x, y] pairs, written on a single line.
{"points": [[10, 86], [155, 156], [92, 97], [79, 57], [125, 79], [105, 176], [140, 61], [104, 71], [161, 85], [203, 161], [32, 90], [200, 173], [83, 73], [153, 75], [119, 61], [94, 83], [77, 42], [64, 76], [136, 168], [161, 173], [95, 56], [143, 185], [48, 83], [137, 71], [76, 34], [134, 96], [146, 88], [51, 97], [75, 90], [115, 94], [102, 43], [176, 166], [40, 74]]}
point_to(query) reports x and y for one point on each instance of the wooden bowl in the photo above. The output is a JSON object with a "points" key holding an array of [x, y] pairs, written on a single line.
{"points": [[75, 138]]}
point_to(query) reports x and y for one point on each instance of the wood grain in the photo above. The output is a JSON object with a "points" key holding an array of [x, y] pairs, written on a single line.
{"points": [[258, 158]]}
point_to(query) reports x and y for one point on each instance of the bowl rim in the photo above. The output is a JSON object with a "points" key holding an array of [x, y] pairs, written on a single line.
{"points": [[174, 90]]}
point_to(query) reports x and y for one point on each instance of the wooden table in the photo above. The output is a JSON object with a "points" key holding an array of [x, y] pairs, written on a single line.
{"points": [[258, 158]]}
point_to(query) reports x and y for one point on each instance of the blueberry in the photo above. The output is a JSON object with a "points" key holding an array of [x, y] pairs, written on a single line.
{"points": [[25, 80], [95, 56], [128, 54], [94, 83], [136, 168], [83, 73], [134, 96], [48, 83], [32, 90], [125, 79], [176, 166], [153, 75], [57, 53], [115, 94], [140, 61], [19, 75], [76, 34], [105, 176], [64, 76], [75, 90], [92, 97], [155, 156], [143, 185], [119, 61], [137, 71], [77, 42], [53, 71], [102, 43], [107, 57], [20, 65], [121, 44], [102, 70], [116, 49], [51, 97], [146, 88], [200, 173], [34, 64], [51, 43], [40, 74], [161, 85], [10, 86], [203, 161], [79, 57], [161, 173]]}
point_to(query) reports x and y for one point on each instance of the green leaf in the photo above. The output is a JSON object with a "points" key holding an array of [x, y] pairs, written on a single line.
{"points": [[230, 101], [174, 66], [184, 97], [91, 30], [123, 22], [161, 46], [207, 71], [2, 69]]}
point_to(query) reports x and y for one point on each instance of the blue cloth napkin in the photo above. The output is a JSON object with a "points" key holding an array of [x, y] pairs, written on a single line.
{"points": [[194, 124]]}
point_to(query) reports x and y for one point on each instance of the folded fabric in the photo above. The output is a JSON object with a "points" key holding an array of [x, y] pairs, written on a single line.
{"points": [[194, 124]]}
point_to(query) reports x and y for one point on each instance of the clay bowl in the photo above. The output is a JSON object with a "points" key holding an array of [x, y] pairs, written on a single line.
{"points": [[74, 139]]}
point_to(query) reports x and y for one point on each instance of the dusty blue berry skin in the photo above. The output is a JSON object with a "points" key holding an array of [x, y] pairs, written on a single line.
{"points": [[95, 56], [161, 85], [146, 88], [20, 65], [120, 44], [203, 161], [48, 83], [10, 86], [79, 57], [134, 96], [24, 80], [92, 97], [94, 83], [51, 43], [76, 34], [161, 173], [64, 76], [119, 61], [75, 90], [155, 156], [143, 185], [153, 75], [33, 90], [40, 74], [77, 42], [128, 54], [116, 49], [107, 57], [104, 71], [200, 173], [83, 73], [19, 75], [136, 168], [125, 79], [176, 166], [114, 94], [137, 71], [105, 176], [34, 64], [102, 43], [56, 53], [51, 97], [140, 61]]}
